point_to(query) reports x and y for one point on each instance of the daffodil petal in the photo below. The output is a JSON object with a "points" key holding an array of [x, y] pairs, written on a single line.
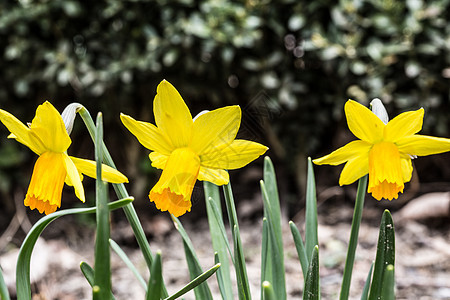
{"points": [[158, 160], [48, 125], [69, 183], [407, 169], [172, 116], [363, 123], [215, 129], [236, 155], [173, 190], [47, 181], [89, 168], [74, 177], [354, 169], [147, 134], [21, 133], [345, 153], [405, 124], [216, 176], [422, 145]]}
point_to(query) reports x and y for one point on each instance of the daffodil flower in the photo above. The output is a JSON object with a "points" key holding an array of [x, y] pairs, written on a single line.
{"points": [[47, 137], [188, 149], [383, 151]]}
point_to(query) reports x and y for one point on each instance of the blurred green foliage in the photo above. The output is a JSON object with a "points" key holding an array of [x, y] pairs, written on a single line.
{"points": [[298, 60]]}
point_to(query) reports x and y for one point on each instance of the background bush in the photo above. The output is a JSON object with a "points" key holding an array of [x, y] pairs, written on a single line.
{"points": [[291, 65]]}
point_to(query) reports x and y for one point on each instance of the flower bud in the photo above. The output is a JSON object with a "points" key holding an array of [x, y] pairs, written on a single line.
{"points": [[68, 115]]}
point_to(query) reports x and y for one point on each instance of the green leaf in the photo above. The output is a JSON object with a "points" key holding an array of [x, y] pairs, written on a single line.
{"points": [[102, 267], [267, 291], [270, 182], [196, 282], [23, 260], [128, 262], [121, 192], [385, 255], [155, 282], [311, 238], [311, 291], [240, 267], [274, 251], [239, 259], [4, 294], [353, 242], [274, 254], [219, 238], [365, 292], [202, 291], [388, 292], [301, 252], [221, 227], [88, 273], [266, 266]]}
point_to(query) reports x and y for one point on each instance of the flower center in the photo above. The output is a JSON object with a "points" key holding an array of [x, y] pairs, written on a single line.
{"points": [[47, 181], [385, 172], [174, 189]]}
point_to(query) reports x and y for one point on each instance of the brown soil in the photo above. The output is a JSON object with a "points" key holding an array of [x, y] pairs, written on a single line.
{"points": [[422, 254]]}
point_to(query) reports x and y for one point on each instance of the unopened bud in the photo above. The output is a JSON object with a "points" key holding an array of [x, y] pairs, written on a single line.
{"points": [[69, 114]]}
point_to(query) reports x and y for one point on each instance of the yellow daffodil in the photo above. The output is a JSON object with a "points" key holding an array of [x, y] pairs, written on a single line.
{"points": [[188, 149], [383, 151], [48, 138]]}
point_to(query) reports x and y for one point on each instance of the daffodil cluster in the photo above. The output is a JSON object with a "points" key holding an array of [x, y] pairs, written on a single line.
{"points": [[205, 147]]}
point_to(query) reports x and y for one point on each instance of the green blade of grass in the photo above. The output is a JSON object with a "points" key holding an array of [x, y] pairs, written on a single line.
{"points": [[312, 291], [353, 242], [88, 273], [24, 258], [155, 281], [385, 255], [4, 294], [311, 238], [121, 192], [239, 259], [267, 291], [128, 262], [275, 243], [301, 252], [202, 291], [196, 282], [365, 292], [102, 266], [218, 238]]}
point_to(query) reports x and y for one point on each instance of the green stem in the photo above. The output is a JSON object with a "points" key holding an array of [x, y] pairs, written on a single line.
{"points": [[121, 192], [102, 267], [357, 214]]}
